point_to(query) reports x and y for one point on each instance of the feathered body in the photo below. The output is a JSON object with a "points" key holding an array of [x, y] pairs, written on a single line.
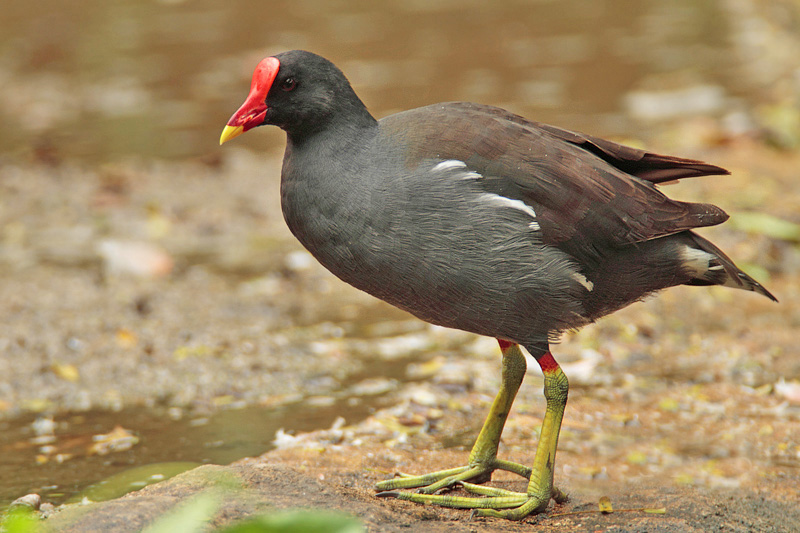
{"points": [[470, 217]]}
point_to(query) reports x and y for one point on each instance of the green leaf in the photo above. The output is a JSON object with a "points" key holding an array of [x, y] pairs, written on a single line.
{"points": [[188, 517], [20, 519], [767, 225], [300, 521]]}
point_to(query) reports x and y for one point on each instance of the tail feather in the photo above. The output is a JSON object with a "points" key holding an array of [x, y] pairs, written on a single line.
{"points": [[748, 283], [712, 267]]}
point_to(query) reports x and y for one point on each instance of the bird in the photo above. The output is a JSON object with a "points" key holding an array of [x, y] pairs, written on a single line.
{"points": [[471, 217]]}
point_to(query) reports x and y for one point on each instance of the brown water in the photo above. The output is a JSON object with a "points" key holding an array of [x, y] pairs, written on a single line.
{"points": [[96, 80], [164, 437], [218, 439]]}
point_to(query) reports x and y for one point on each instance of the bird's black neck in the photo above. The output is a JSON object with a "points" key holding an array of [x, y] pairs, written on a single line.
{"points": [[348, 118]]}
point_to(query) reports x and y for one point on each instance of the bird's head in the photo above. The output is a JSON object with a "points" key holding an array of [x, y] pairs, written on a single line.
{"points": [[297, 91]]}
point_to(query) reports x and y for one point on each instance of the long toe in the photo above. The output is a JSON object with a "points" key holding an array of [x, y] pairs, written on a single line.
{"points": [[436, 481], [496, 503], [443, 479]]}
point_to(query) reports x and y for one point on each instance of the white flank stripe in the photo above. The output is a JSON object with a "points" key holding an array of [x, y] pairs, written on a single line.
{"points": [[450, 163], [534, 226], [470, 176], [580, 278], [509, 202], [696, 260]]}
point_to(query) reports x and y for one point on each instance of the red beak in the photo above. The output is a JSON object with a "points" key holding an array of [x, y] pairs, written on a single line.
{"points": [[254, 108]]}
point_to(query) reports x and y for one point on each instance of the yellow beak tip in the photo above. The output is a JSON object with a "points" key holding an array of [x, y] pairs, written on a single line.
{"points": [[229, 132]]}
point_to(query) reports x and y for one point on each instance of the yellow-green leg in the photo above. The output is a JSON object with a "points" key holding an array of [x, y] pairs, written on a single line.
{"points": [[483, 459], [540, 488]]}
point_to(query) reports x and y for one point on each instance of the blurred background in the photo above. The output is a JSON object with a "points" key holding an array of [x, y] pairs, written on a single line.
{"points": [[99, 80], [147, 280]]}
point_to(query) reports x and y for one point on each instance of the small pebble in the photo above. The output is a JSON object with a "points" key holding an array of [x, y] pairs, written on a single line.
{"points": [[33, 501]]}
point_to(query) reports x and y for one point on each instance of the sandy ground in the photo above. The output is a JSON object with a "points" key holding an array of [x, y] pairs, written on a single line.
{"points": [[144, 284]]}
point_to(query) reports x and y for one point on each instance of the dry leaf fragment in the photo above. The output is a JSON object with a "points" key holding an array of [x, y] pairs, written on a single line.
{"points": [[605, 505], [66, 372], [126, 338], [117, 440]]}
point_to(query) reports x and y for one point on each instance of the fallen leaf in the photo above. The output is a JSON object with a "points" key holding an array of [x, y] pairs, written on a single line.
{"points": [[117, 440], [66, 372], [605, 505], [126, 338]]}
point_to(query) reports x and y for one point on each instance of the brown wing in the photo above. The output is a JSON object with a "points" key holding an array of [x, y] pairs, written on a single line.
{"points": [[587, 192], [646, 165]]}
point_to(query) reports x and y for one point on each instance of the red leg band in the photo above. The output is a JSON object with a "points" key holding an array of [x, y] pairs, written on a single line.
{"points": [[504, 344], [547, 363]]}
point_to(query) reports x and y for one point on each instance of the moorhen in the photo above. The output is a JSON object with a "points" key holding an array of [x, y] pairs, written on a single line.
{"points": [[471, 217]]}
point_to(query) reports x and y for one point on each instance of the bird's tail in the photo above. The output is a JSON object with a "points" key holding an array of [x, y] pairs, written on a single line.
{"points": [[710, 266]]}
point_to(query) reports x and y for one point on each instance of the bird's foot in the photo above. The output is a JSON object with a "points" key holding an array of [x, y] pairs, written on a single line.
{"points": [[445, 479], [495, 502]]}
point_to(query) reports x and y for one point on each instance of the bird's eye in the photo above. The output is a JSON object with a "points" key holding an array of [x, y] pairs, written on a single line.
{"points": [[288, 84]]}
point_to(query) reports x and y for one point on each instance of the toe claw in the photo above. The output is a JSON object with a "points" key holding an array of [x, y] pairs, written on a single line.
{"points": [[559, 496], [388, 494]]}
